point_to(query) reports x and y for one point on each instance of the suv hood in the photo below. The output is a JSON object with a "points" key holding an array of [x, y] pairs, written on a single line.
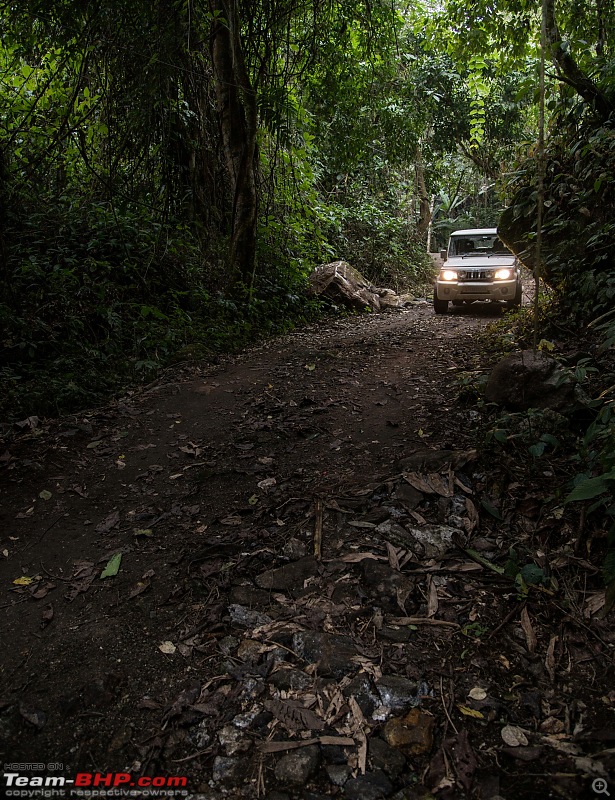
{"points": [[482, 262]]}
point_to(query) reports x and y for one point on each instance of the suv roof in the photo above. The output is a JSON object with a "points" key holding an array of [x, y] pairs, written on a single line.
{"points": [[474, 231]]}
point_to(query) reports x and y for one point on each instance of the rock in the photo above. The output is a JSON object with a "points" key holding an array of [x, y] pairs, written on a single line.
{"points": [[412, 734], [249, 651], [386, 758], [228, 770], [384, 582], [298, 766], [294, 549], [431, 541], [250, 596], [247, 617], [232, 739], [360, 687], [290, 576], [408, 496], [332, 653], [371, 786], [530, 380], [338, 773], [343, 283], [396, 692], [287, 679]]}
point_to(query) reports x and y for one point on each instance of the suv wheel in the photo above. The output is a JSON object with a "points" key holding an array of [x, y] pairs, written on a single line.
{"points": [[517, 299], [439, 306]]}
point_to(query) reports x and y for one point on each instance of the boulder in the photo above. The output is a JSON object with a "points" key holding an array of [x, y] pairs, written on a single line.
{"points": [[345, 284], [530, 380]]}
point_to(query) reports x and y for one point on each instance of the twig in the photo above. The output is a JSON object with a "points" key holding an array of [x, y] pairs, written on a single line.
{"points": [[448, 716], [506, 620], [193, 756], [318, 530]]}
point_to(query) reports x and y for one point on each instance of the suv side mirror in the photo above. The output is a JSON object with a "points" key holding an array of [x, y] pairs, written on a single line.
{"points": [[443, 255]]}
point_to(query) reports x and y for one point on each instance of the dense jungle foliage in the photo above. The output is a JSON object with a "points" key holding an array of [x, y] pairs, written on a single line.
{"points": [[171, 171]]}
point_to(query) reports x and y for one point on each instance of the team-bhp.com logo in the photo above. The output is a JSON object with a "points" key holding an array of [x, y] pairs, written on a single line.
{"points": [[93, 784]]}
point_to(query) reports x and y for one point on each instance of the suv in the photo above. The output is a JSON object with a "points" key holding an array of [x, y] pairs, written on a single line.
{"points": [[478, 266]]}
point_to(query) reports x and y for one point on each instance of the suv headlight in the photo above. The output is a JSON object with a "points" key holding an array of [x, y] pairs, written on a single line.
{"points": [[502, 274], [448, 275]]}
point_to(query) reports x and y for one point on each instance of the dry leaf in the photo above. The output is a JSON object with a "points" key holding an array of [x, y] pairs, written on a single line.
{"points": [[530, 636], [167, 647], [513, 736], [471, 712], [477, 693], [392, 554], [432, 600], [293, 715], [550, 658]]}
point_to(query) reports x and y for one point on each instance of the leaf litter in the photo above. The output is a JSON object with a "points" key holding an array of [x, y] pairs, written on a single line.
{"points": [[299, 586]]}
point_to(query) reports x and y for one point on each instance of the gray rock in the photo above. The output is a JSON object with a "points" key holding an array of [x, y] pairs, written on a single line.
{"points": [[247, 617], [290, 576], [371, 786], [360, 687], [396, 692], [430, 541], [530, 380], [290, 679], [338, 773], [294, 549], [227, 770], [388, 759], [332, 653], [233, 740], [384, 581], [250, 596], [297, 767]]}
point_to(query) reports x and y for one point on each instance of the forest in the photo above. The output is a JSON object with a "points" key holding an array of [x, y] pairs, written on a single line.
{"points": [[172, 171], [222, 490]]}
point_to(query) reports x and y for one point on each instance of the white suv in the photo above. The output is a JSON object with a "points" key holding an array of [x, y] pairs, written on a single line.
{"points": [[478, 266]]}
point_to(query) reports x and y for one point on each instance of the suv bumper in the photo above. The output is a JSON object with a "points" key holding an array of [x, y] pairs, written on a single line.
{"points": [[476, 290]]}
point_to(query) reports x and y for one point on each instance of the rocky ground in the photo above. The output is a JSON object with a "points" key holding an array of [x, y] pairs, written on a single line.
{"points": [[288, 576]]}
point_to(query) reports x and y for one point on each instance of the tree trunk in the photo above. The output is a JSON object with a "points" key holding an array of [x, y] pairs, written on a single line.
{"points": [[238, 125], [568, 69], [424, 202]]}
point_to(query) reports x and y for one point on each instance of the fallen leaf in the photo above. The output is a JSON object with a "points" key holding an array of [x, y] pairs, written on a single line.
{"points": [[47, 615], [167, 647], [23, 581], [530, 636], [477, 693], [471, 712], [113, 566], [34, 716], [513, 736], [108, 523]]}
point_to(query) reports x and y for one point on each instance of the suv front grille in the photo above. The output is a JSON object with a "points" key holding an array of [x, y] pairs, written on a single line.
{"points": [[479, 275]]}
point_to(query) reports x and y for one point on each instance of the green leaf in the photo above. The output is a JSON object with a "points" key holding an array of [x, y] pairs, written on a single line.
{"points": [[532, 574], [113, 566], [491, 509], [537, 449], [591, 487]]}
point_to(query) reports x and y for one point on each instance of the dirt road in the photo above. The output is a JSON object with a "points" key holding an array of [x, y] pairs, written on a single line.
{"points": [[286, 612]]}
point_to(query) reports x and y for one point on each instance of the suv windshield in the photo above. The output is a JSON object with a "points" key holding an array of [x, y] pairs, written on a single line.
{"points": [[480, 244]]}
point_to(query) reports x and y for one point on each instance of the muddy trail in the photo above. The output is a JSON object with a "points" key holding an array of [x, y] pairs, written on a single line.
{"points": [[273, 577]]}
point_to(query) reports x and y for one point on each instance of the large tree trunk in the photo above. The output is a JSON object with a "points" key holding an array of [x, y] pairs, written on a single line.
{"points": [[568, 69], [238, 124]]}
